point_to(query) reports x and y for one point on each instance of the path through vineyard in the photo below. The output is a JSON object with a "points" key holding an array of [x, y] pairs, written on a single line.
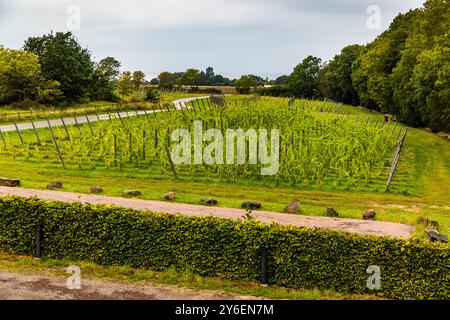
{"points": [[377, 228], [180, 103]]}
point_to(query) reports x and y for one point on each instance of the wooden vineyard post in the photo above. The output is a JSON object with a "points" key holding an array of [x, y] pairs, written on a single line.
{"points": [[121, 121], [35, 131], [115, 150], [18, 131], [89, 123], [393, 129], [98, 118], [170, 160], [137, 113], [154, 112], [65, 128], [3, 138], [131, 147], [109, 116], [203, 103], [56, 144], [156, 141], [396, 159], [398, 134], [143, 144], [78, 125]]}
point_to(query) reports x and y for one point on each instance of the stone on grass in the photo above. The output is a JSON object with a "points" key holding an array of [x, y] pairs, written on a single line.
{"points": [[293, 207], [330, 212], [369, 215], [132, 193], [96, 189], [251, 205], [169, 196], [209, 201], [55, 185], [6, 182], [434, 235]]}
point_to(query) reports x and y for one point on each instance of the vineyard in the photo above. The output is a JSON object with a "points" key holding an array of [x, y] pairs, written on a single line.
{"points": [[321, 144]]}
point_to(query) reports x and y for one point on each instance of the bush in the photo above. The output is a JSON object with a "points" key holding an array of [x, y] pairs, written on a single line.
{"points": [[152, 95], [298, 257]]}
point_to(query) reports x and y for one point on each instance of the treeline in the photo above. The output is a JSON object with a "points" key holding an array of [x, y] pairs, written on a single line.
{"points": [[405, 71], [191, 77], [55, 69]]}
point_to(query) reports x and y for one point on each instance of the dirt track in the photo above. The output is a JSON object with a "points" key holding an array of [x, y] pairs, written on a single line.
{"points": [[20, 286], [377, 228]]}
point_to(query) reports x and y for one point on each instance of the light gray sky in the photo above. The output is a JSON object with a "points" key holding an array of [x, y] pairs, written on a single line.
{"points": [[263, 37]]}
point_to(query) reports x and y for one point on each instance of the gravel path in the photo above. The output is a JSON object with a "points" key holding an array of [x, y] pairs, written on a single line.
{"points": [[21, 286], [377, 228], [180, 103]]}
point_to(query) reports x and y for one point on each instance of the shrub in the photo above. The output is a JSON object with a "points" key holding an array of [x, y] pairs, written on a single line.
{"points": [[298, 257]]}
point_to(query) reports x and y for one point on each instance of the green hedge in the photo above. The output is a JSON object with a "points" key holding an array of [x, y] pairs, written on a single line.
{"points": [[297, 257]]}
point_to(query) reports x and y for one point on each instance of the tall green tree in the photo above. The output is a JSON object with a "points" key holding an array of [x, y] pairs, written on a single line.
{"points": [[125, 83], [138, 79], [336, 77], [104, 79], [63, 59], [304, 80]]}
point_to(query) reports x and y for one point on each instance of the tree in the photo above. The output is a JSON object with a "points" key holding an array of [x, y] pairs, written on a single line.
{"points": [[138, 79], [104, 79], [281, 80], [64, 60], [165, 80], [21, 78], [244, 84], [190, 77], [125, 83], [304, 79], [336, 77]]}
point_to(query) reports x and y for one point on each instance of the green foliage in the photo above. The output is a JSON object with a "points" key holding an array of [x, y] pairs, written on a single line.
{"points": [[125, 83], [104, 79], [244, 84], [138, 79], [21, 78], [152, 95], [336, 77], [405, 71], [304, 81], [190, 78], [64, 60], [208, 246]]}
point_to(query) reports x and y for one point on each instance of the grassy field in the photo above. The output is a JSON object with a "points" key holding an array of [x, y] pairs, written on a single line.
{"points": [[419, 188]]}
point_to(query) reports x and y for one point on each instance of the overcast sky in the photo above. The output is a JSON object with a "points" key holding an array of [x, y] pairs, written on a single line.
{"points": [[263, 37]]}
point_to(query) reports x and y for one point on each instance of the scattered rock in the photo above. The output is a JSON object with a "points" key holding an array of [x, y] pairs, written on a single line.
{"points": [[251, 205], [169, 196], [293, 207], [96, 189], [434, 236], [132, 193], [5, 182], [209, 201], [330, 212], [369, 215], [55, 185]]}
